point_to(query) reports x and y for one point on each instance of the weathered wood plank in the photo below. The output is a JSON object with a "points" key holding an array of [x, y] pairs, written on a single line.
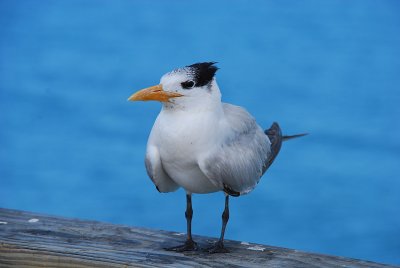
{"points": [[33, 240]]}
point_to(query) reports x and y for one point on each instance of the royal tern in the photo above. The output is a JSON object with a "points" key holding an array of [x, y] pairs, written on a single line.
{"points": [[203, 145]]}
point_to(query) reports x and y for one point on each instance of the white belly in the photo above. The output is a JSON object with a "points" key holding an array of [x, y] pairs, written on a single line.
{"points": [[190, 177], [180, 145]]}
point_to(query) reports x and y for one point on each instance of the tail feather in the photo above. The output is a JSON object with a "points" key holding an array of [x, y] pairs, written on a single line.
{"points": [[286, 138], [276, 138]]}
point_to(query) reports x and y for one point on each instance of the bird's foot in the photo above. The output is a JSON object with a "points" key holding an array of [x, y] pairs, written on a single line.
{"points": [[218, 248], [189, 245]]}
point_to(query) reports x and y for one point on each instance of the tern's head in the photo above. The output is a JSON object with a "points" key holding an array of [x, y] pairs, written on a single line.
{"points": [[184, 85]]}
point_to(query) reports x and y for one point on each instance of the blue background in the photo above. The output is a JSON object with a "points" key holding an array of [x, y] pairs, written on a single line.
{"points": [[71, 145]]}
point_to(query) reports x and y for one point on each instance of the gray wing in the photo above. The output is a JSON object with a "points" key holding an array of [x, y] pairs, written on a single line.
{"points": [[156, 171], [238, 163]]}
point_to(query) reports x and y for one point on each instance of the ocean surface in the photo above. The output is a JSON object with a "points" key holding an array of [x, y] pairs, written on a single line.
{"points": [[71, 145]]}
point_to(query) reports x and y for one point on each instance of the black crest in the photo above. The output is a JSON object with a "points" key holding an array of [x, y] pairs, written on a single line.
{"points": [[203, 72]]}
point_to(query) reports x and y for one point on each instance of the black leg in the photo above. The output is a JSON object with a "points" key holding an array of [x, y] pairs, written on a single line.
{"points": [[189, 245], [189, 216], [219, 245]]}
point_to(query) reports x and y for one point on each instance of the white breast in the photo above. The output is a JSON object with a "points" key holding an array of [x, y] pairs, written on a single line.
{"points": [[181, 139]]}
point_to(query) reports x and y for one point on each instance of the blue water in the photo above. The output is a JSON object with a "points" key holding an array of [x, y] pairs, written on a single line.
{"points": [[71, 145]]}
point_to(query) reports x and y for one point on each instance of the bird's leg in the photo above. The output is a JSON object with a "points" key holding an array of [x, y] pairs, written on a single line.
{"points": [[189, 216], [219, 245], [189, 245]]}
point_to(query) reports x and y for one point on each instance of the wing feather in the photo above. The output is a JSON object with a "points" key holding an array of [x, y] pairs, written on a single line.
{"points": [[156, 171], [236, 165]]}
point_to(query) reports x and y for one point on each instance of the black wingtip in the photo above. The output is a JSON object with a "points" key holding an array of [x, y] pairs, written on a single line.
{"points": [[274, 134]]}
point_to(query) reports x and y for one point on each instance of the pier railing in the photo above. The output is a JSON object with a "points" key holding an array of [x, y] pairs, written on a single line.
{"points": [[33, 240]]}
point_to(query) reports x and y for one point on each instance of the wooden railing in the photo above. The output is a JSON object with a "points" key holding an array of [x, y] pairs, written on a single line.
{"points": [[34, 240]]}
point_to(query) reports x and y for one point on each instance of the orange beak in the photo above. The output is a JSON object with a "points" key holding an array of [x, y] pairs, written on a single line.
{"points": [[153, 93]]}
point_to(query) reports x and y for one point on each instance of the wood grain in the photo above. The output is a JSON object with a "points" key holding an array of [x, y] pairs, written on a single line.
{"points": [[34, 240]]}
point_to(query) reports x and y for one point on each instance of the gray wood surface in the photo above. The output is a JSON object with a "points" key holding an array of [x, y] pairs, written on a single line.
{"points": [[34, 240]]}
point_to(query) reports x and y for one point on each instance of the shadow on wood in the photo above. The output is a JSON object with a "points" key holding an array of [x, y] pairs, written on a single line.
{"points": [[32, 240]]}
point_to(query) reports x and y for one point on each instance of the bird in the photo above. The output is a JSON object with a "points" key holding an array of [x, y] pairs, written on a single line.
{"points": [[204, 145]]}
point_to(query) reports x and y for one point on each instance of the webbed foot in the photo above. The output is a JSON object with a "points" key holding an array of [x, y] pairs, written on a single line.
{"points": [[189, 245], [218, 248]]}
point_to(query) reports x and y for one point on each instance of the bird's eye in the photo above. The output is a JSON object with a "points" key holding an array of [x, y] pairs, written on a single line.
{"points": [[187, 84]]}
